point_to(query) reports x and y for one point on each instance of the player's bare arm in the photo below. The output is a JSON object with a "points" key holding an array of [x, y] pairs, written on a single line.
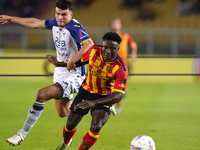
{"points": [[114, 98], [27, 22], [56, 63], [134, 52], [79, 55]]}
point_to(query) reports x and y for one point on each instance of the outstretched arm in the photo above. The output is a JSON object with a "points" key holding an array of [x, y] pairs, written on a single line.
{"points": [[86, 46], [27, 22], [56, 63], [114, 98]]}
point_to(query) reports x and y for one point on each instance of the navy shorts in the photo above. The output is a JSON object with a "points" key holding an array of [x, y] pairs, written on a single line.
{"points": [[83, 94]]}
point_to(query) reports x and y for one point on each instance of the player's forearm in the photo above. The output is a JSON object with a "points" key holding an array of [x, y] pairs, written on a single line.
{"points": [[64, 64], [86, 46], [134, 53], [114, 98], [28, 22], [61, 64], [80, 63]]}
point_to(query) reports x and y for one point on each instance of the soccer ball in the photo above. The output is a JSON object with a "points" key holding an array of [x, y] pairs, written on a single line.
{"points": [[142, 142]]}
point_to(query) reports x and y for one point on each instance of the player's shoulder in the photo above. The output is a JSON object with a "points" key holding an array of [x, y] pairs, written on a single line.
{"points": [[95, 50], [119, 61], [49, 23], [97, 47], [74, 24]]}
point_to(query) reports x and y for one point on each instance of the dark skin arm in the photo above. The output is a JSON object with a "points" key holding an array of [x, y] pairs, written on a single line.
{"points": [[114, 98], [56, 63]]}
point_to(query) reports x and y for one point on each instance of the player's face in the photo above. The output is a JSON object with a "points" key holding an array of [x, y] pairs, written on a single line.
{"points": [[115, 25], [109, 50], [63, 17]]}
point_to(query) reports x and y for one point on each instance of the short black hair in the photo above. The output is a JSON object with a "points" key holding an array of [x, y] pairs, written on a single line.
{"points": [[112, 36], [64, 4]]}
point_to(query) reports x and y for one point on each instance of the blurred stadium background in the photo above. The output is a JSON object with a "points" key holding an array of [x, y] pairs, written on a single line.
{"points": [[156, 26], [162, 95]]}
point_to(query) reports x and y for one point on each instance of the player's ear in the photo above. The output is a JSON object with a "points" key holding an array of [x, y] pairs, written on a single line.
{"points": [[118, 48], [71, 13]]}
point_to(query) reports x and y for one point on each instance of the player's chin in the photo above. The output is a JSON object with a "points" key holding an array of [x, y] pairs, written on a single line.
{"points": [[61, 25], [107, 58]]}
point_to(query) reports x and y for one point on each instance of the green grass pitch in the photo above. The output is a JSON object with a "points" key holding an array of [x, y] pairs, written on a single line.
{"points": [[167, 111]]}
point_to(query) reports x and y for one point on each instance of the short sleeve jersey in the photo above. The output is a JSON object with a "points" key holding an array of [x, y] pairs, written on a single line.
{"points": [[67, 41], [104, 77], [126, 40]]}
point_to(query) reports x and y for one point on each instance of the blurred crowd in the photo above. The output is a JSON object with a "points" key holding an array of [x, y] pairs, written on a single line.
{"points": [[186, 7], [21, 8], [25, 8], [142, 12]]}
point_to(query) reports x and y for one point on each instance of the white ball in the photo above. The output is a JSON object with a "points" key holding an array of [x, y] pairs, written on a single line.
{"points": [[142, 142]]}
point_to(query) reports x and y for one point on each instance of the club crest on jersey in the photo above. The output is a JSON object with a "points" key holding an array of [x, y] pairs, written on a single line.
{"points": [[108, 68]]}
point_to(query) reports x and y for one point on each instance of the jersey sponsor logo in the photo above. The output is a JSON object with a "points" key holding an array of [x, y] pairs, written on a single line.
{"points": [[60, 44], [94, 73], [61, 47], [100, 69], [82, 34]]}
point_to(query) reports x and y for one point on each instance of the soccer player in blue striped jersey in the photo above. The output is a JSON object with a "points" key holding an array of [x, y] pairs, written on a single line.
{"points": [[71, 43]]}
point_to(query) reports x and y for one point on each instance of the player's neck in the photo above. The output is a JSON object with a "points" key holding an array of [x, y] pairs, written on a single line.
{"points": [[61, 28], [118, 32]]}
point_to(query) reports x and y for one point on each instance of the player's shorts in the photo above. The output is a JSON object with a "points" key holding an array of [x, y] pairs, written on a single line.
{"points": [[69, 85], [83, 94]]}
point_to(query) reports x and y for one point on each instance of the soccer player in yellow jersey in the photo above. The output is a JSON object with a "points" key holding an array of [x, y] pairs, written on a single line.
{"points": [[115, 26], [104, 85]]}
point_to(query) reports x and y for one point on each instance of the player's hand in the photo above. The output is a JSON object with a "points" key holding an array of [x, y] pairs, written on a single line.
{"points": [[4, 19], [86, 104], [71, 65], [52, 60]]}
